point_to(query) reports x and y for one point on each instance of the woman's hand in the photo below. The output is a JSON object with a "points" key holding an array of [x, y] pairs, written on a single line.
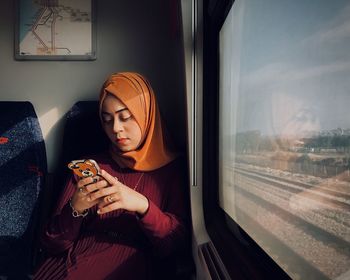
{"points": [[117, 196], [85, 187]]}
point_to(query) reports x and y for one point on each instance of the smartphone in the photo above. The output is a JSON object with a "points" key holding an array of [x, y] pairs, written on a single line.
{"points": [[84, 167]]}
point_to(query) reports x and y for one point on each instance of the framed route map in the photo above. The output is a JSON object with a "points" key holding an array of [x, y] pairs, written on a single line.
{"points": [[55, 30]]}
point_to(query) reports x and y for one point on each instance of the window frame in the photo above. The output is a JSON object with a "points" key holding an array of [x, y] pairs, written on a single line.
{"points": [[243, 259]]}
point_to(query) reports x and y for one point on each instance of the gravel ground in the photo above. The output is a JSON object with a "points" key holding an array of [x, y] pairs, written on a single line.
{"points": [[316, 231]]}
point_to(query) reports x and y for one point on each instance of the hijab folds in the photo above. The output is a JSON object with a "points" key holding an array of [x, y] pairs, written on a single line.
{"points": [[135, 92]]}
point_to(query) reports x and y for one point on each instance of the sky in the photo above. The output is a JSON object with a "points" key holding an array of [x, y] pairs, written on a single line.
{"points": [[288, 64]]}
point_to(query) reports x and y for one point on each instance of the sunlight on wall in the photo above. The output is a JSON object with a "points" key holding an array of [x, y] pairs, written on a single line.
{"points": [[48, 120], [51, 123]]}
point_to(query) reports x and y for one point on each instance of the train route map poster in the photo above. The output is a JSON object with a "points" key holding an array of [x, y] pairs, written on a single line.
{"points": [[55, 29]]}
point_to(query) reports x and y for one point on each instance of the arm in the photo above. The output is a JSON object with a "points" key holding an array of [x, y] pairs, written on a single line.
{"points": [[62, 228], [168, 229]]}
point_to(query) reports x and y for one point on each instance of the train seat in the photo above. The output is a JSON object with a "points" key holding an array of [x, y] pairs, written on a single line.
{"points": [[23, 169], [82, 135], [83, 132]]}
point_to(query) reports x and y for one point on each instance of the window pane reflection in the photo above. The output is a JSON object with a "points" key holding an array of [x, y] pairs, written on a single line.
{"points": [[285, 131]]}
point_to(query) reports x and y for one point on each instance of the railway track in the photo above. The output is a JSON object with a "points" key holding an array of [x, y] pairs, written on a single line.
{"points": [[313, 222], [320, 194]]}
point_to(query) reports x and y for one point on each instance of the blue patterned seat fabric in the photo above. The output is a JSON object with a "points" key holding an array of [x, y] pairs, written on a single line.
{"points": [[22, 171]]}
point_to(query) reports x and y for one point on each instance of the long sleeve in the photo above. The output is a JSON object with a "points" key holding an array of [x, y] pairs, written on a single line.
{"points": [[116, 245], [167, 229], [62, 228]]}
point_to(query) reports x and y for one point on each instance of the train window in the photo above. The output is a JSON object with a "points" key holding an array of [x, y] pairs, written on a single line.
{"points": [[284, 133]]}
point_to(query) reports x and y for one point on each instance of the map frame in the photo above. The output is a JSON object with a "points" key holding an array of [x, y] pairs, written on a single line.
{"points": [[84, 56]]}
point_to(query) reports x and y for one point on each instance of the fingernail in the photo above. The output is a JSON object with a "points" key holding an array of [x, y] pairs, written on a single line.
{"points": [[88, 199], [98, 211]]}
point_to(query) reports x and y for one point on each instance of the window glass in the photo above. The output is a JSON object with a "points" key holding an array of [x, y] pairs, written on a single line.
{"points": [[284, 134]]}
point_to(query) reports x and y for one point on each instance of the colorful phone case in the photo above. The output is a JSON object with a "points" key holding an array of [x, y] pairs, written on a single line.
{"points": [[84, 167]]}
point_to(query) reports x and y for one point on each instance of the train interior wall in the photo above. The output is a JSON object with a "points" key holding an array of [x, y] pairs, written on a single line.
{"points": [[132, 35], [140, 36]]}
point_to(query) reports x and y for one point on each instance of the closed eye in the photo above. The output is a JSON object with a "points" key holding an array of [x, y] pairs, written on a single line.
{"points": [[125, 118], [106, 120], [125, 115]]}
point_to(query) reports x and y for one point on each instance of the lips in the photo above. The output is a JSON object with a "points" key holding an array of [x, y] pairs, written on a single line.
{"points": [[121, 140]]}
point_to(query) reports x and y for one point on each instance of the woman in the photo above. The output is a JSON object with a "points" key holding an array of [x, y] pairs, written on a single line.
{"points": [[125, 223]]}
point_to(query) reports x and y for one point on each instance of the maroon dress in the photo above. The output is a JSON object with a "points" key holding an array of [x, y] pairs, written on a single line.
{"points": [[119, 244]]}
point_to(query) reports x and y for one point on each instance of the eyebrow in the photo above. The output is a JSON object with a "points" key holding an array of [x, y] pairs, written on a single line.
{"points": [[120, 110]]}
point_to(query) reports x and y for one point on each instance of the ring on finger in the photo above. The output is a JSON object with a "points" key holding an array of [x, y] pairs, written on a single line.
{"points": [[110, 198], [81, 190]]}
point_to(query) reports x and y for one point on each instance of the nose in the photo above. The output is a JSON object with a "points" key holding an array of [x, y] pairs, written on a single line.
{"points": [[117, 125]]}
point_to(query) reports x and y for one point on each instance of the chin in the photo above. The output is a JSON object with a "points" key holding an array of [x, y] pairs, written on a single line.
{"points": [[124, 148]]}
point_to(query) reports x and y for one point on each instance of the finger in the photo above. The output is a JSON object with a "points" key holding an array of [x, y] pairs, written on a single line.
{"points": [[109, 178], [88, 180], [84, 181], [101, 193], [110, 207], [82, 190], [99, 185], [108, 199], [102, 203], [111, 198]]}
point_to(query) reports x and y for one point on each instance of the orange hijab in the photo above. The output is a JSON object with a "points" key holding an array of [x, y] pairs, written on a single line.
{"points": [[136, 93]]}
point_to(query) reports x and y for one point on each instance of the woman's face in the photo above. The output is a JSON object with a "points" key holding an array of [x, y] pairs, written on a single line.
{"points": [[120, 125]]}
